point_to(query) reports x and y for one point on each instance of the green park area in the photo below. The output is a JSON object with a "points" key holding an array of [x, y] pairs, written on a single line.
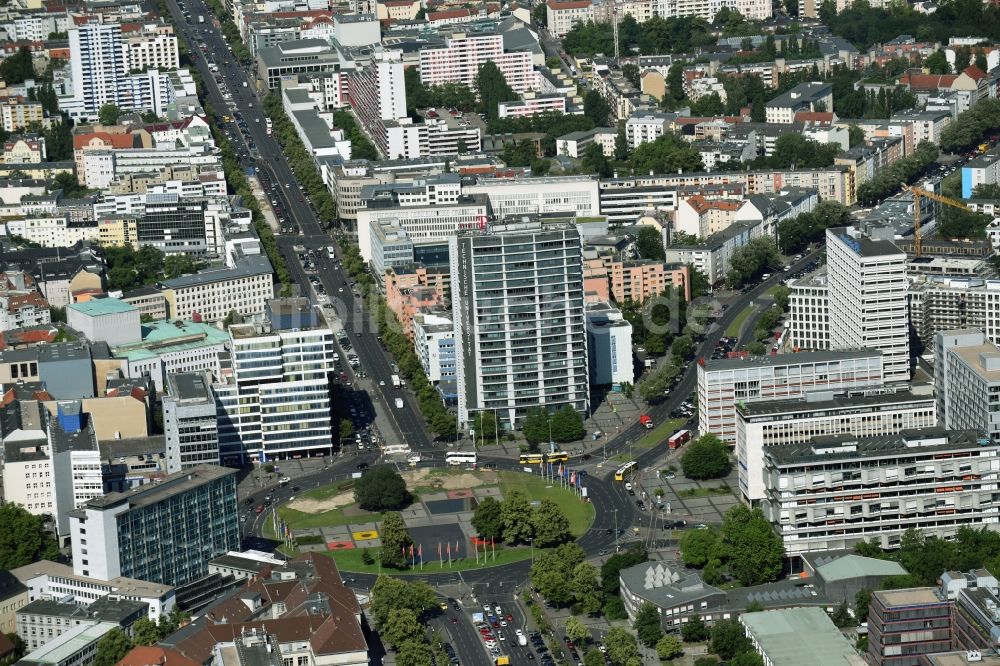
{"points": [[332, 514]]}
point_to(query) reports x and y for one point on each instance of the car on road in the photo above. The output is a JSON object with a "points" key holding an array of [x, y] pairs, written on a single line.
{"points": [[362, 466]]}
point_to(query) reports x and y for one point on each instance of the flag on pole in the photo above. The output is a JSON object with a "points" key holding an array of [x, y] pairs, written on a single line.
{"points": [[420, 554], [493, 542], [440, 557], [456, 549]]}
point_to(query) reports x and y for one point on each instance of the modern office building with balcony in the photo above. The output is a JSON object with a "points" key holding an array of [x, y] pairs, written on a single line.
{"points": [[162, 532], [520, 327], [838, 490], [862, 413]]}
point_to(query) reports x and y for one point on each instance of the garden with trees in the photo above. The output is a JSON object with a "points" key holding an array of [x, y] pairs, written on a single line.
{"points": [[744, 549]]}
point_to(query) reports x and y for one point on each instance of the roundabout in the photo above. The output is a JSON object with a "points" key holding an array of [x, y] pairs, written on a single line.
{"points": [[325, 519]]}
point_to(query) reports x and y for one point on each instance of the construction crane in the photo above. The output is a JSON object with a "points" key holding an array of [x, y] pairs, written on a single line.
{"points": [[917, 194]]}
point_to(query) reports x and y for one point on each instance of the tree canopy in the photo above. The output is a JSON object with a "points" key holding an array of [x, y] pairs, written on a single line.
{"points": [[381, 488], [492, 88], [23, 538], [668, 154], [706, 458]]}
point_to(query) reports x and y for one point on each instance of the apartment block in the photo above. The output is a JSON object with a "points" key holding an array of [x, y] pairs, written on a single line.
{"points": [[531, 104], [189, 422], [646, 127], [155, 48], [638, 279], [42, 620], [164, 532], [724, 383], [867, 296], [811, 96], [862, 413], [904, 625], [274, 397], [17, 114], [459, 59], [520, 338], [838, 490], [378, 95], [562, 15], [211, 295], [967, 381], [756, 10]]}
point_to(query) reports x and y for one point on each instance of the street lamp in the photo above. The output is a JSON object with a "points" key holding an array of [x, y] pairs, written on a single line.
{"points": [[616, 529]]}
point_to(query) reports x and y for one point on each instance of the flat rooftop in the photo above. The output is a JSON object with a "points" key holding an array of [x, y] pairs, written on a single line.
{"points": [[66, 645], [914, 596], [976, 356], [837, 447], [820, 402], [795, 636], [799, 358], [189, 386], [169, 486], [160, 337], [96, 307]]}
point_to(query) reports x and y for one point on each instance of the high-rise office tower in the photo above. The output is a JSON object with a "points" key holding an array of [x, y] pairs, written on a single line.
{"points": [[274, 395], [867, 298], [520, 327]]}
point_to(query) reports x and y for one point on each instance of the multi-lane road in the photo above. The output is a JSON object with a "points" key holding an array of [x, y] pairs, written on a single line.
{"points": [[293, 202]]}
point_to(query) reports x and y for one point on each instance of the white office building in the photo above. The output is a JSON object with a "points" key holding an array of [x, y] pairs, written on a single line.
{"points": [[274, 398], [967, 381], [809, 311], [190, 423], [867, 296], [420, 222], [432, 335], [555, 194], [609, 346], [834, 491], [162, 532], [863, 413], [520, 330], [724, 383]]}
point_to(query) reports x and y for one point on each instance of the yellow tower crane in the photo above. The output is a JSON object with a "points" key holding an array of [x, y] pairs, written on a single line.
{"points": [[917, 194]]}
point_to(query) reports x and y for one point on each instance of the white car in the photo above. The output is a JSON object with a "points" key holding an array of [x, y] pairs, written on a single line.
{"points": [[498, 611], [500, 635], [503, 623], [486, 608], [518, 633]]}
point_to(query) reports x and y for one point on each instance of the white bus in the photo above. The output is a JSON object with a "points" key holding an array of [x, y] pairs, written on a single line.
{"points": [[460, 458], [396, 450]]}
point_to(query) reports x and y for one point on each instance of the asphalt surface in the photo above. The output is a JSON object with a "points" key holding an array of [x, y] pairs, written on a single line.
{"points": [[688, 383], [273, 166]]}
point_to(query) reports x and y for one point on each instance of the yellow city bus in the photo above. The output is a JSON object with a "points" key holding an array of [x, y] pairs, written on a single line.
{"points": [[625, 471], [557, 456], [530, 459]]}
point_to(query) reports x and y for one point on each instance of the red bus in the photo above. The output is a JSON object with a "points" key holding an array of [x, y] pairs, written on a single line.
{"points": [[678, 439]]}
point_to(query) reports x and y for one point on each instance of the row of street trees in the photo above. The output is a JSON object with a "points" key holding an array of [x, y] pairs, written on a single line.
{"points": [[748, 262], [400, 611]]}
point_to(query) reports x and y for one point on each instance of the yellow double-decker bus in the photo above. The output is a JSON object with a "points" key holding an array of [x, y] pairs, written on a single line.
{"points": [[625, 471]]}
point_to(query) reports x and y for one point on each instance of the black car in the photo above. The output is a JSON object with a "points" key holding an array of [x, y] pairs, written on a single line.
{"points": [[249, 501], [362, 465]]}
